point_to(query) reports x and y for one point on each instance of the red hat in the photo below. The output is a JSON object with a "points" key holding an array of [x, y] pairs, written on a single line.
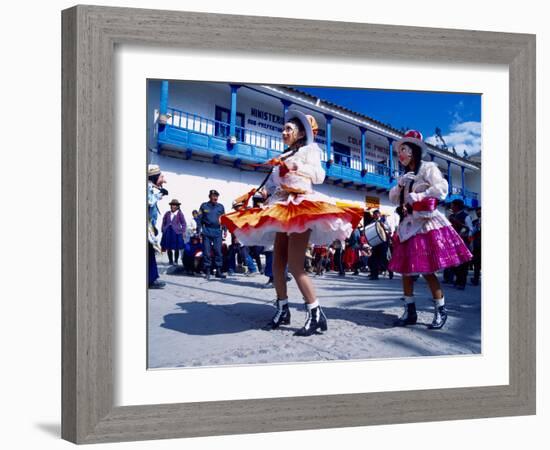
{"points": [[415, 137]]}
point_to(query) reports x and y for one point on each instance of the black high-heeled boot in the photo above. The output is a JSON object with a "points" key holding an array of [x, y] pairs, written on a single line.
{"points": [[440, 317], [281, 317], [315, 320], [409, 316]]}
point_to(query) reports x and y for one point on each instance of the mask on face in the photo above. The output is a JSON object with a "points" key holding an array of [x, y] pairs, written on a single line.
{"points": [[291, 133], [405, 154]]}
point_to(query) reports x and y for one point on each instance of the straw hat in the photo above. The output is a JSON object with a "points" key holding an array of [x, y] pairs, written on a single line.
{"points": [[153, 169], [175, 202]]}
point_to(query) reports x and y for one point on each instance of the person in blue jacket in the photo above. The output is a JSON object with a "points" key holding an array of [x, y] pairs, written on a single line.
{"points": [[212, 234], [192, 255]]}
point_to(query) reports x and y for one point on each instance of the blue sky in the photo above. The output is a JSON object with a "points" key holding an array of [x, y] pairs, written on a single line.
{"points": [[457, 115]]}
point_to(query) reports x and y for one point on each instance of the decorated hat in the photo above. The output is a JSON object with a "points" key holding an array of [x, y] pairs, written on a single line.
{"points": [[213, 192], [153, 169], [295, 114], [313, 123], [175, 202], [414, 137]]}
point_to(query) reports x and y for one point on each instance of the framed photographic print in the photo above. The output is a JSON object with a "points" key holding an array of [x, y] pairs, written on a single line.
{"points": [[196, 324], [253, 209]]}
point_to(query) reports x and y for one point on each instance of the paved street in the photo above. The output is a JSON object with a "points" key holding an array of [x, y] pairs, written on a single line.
{"points": [[194, 322]]}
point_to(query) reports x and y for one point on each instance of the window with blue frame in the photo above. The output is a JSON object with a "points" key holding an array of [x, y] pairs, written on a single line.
{"points": [[223, 118]]}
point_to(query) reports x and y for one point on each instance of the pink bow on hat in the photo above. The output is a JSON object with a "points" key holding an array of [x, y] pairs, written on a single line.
{"points": [[414, 134], [415, 137]]}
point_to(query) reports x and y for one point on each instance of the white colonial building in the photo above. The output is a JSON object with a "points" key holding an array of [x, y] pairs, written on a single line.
{"points": [[211, 136]]}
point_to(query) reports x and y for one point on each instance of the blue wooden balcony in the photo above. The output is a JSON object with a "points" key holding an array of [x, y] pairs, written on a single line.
{"points": [[192, 135]]}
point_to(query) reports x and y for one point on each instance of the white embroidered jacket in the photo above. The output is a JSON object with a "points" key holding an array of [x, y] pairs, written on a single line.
{"points": [[308, 171], [429, 183]]}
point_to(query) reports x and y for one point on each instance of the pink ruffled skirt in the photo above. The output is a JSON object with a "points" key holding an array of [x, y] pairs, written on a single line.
{"points": [[428, 252]]}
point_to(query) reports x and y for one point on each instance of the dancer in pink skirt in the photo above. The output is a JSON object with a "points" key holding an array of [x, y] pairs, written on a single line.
{"points": [[425, 241]]}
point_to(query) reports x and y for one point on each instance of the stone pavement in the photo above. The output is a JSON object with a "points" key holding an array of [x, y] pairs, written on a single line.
{"points": [[194, 322]]}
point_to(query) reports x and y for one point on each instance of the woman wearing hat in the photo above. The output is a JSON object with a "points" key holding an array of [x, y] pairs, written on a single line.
{"points": [[425, 241], [293, 215], [173, 230]]}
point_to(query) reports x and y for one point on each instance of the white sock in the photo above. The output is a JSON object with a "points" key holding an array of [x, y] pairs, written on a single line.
{"points": [[283, 302], [439, 301], [313, 305], [408, 300]]}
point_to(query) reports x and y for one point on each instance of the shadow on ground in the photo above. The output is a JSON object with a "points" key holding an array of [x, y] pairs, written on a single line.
{"points": [[198, 318], [202, 319]]}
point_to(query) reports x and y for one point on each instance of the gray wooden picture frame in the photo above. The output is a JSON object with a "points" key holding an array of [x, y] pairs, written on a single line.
{"points": [[90, 34]]}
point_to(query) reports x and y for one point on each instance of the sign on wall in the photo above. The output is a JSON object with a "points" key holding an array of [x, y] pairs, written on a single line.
{"points": [[372, 202], [373, 151], [265, 120]]}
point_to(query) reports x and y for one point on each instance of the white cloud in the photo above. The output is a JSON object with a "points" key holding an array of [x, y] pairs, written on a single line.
{"points": [[463, 136], [457, 113]]}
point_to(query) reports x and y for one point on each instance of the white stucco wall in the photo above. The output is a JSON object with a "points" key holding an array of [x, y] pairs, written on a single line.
{"points": [[190, 181]]}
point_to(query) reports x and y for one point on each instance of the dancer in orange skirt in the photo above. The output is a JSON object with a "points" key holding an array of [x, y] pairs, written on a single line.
{"points": [[293, 215]]}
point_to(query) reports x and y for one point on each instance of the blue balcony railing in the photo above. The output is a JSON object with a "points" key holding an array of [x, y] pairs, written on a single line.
{"points": [[470, 194], [194, 133], [258, 139], [343, 160], [470, 198], [192, 122]]}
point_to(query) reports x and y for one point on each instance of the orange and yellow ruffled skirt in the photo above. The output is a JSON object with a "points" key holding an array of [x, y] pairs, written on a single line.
{"points": [[327, 221]]}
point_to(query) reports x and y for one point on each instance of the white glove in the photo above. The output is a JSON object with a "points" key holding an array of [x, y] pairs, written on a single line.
{"points": [[416, 197], [406, 178]]}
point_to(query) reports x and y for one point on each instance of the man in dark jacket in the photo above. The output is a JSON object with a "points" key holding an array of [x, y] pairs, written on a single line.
{"points": [[462, 223], [208, 221], [476, 250], [378, 262]]}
